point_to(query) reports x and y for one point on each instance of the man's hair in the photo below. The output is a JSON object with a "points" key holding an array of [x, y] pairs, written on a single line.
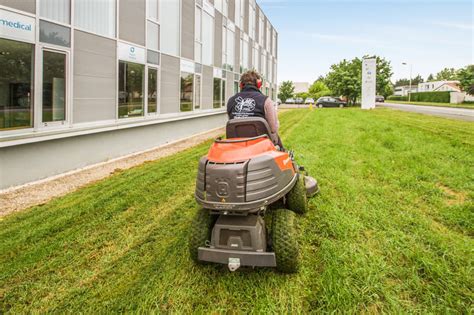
{"points": [[250, 78]]}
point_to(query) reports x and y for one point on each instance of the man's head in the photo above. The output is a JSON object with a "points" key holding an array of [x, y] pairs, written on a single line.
{"points": [[251, 78]]}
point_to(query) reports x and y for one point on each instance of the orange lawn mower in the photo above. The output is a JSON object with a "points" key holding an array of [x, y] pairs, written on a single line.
{"points": [[249, 189]]}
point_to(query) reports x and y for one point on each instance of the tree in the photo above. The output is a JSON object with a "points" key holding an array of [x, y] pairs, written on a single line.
{"points": [[319, 89], [466, 77], [302, 95], [345, 78], [287, 90], [384, 73], [414, 81], [430, 78], [446, 74]]}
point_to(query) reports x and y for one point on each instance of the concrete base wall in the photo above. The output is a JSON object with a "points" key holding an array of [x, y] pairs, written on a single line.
{"points": [[25, 163]]}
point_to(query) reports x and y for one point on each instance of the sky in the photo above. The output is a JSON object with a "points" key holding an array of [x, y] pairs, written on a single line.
{"points": [[314, 34]]}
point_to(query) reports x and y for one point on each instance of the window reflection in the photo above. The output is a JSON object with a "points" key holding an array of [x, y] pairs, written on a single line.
{"points": [[130, 89], [54, 86], [186, 91], [16, 82], [152, 90]]}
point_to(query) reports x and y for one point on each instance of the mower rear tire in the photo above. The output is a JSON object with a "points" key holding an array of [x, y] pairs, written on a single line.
{"points": [[284, 242], [201, 229], [297, 200]]}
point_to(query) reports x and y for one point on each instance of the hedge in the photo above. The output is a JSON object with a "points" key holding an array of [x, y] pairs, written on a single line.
{"points": [[397, 98], [430, 97], [435, 97]]}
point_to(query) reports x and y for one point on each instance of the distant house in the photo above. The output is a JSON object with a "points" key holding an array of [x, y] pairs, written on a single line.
{"points": [[438, 86], [404, 90], [301, 87]]}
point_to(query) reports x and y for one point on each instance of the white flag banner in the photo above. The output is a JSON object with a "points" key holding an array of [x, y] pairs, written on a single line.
{"points": [[369, 70]]}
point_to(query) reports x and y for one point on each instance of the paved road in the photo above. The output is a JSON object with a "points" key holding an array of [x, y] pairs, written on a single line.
{"points": [[448, 112]]}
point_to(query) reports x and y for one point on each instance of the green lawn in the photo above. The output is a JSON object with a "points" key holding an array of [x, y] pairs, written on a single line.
{"points": [[392, 230], [462, 105]]}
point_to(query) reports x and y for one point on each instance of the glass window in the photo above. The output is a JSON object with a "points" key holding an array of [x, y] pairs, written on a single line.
{"points": [[197, 92], [186, 99], [198, 35], [55, 34], [54, 86], [131, 83], [244, 55], [57, 10], [207, 39], [169, 22], [238, 4], [223, 93], [153, 57], [16, 83], [230, 50], [217, 92], [152, 90], [153, 34], [96, 16], [236, 87], [152, 9]]}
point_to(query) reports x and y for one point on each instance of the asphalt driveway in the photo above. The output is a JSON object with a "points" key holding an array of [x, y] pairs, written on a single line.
{"points": [[448, 112]]}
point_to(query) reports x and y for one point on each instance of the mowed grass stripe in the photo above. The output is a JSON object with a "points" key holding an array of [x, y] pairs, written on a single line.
{"points": [[391, 231]]}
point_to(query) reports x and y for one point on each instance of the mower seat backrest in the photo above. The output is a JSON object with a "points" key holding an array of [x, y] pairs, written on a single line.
{"points": [[249, 128]]}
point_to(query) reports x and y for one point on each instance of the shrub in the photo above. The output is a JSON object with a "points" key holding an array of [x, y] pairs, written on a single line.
{"points": [[434, 97], [397, 98]]}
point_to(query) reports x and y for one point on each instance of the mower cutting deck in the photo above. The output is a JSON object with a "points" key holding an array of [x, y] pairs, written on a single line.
{"points": [[250, 190]]}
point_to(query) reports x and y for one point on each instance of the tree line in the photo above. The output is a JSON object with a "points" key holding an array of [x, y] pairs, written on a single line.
{"points": [[345, 79]]}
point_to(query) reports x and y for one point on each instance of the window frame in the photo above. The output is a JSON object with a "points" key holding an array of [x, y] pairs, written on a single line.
{"points": [[158, 94], [38, 115]]}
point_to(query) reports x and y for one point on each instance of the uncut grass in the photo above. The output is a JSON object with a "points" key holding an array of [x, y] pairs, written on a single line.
{"points": [[391, 230]]}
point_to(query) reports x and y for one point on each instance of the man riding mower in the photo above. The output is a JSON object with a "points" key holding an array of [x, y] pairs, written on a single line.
{"points": [[249, 188]]}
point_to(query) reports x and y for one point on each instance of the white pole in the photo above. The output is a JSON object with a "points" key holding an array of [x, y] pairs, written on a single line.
{"points": [[409, 92]]}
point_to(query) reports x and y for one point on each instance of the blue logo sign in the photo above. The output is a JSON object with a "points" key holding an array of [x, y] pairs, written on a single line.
{"points": [[17, 25]]}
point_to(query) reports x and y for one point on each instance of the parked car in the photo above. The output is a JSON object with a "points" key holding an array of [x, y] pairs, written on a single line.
{"points": [[379, 99], [278, 102], [330, 102], [299, 100], [309, 101], [290, 101]]}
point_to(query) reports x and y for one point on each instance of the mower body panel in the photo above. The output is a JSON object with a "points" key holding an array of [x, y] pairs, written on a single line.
{"points": [[231, 180]]}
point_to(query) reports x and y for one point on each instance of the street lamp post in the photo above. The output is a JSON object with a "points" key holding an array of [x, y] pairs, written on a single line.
{"points": [[411, 71]]}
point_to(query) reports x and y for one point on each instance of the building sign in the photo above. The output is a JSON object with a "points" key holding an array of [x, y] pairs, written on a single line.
{"points": [[369, 70], [130, 53], [17, 26]]}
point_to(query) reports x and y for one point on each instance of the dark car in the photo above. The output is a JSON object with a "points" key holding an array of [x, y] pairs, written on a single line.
{"points": [[379, 99], [330, 102]]}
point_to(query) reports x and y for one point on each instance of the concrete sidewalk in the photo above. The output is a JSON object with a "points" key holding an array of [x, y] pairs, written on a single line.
{"points": [[447, 112]]}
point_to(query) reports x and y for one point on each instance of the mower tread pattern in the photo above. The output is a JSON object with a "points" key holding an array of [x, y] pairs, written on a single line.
{"points": [[297, 199], [284, 240], [201, 229]]}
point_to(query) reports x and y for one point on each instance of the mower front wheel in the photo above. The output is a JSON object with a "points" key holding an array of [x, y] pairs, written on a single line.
{"points": [[201, 229], [284, 242], [297, 199]]}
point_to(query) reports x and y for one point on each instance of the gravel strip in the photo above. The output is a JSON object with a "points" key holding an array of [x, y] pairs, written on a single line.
{"points": [[36, 193]]}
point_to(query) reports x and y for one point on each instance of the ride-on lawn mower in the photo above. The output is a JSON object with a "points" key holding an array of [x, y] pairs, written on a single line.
{"points": [[249, 189]]}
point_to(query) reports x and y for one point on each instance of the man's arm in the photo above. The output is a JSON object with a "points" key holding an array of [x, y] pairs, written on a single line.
{"points": [[271, 116]]}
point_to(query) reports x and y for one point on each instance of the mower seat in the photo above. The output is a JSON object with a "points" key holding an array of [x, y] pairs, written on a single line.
{"points": [[249, 128]]}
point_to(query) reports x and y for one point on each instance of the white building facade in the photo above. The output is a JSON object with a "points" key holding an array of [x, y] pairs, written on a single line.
{"points": [[82, 82]]}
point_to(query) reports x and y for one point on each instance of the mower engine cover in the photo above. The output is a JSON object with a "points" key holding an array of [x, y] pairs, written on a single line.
{"points": [[243, 175]]}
